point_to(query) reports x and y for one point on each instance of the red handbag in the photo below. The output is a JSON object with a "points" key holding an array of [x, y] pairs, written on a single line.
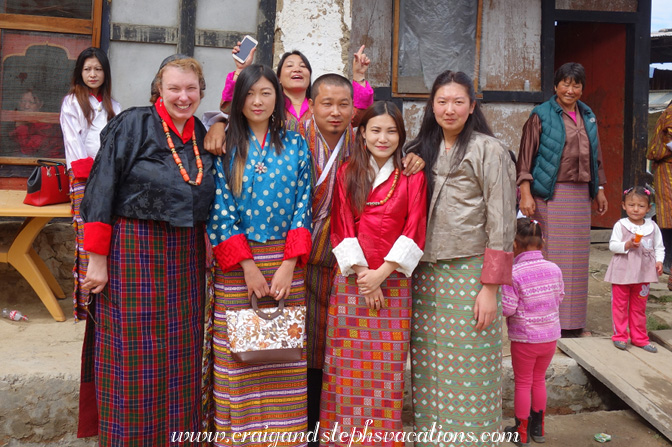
{"points": [[48, 184]]}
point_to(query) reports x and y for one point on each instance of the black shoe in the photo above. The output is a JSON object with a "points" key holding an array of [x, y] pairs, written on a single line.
{"points": [[537, 426], [521, 433]]}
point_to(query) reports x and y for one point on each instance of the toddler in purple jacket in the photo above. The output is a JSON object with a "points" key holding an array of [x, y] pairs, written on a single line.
{"points": [[531, 306]]}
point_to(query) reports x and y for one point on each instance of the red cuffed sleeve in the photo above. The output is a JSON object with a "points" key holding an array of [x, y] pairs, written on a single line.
{"points": [[230, 252], [298, 245], [97, 237], [497, 267], [82, 167]]}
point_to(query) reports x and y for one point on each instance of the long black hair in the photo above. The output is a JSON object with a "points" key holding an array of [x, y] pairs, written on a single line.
{"points": [[81, 91], [426, 144], [238, 133], [359, 173]]}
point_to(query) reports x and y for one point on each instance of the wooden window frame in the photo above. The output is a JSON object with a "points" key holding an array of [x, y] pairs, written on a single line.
{"points": [[395, 53], [26, 22]]}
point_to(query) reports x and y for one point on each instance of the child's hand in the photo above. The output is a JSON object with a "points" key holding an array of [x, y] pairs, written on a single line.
{"points": [[659, 268], [631, 244]]}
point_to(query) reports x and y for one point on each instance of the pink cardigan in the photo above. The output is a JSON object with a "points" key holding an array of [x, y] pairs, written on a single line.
{"points": [[531, 303]]}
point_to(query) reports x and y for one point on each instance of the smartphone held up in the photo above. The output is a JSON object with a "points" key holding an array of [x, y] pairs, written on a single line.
{"points": [[246, 46]]}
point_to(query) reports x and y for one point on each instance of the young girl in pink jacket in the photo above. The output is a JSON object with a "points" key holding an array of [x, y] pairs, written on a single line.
{"points": [[531, 307]]}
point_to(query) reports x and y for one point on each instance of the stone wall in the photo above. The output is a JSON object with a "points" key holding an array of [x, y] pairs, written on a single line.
{"points": [[55, 245]]}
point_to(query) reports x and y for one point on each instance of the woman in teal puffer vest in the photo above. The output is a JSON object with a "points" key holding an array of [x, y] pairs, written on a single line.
{"points": [[559, 172]]}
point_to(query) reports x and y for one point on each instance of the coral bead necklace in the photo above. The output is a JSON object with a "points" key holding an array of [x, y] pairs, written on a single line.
{"points": [[389, 194], [178, 161]]}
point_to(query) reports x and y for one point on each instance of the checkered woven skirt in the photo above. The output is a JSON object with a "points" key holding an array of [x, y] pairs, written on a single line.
{"points": [[565, 223], [456, 370], [365, 360], [268, 400], [149, 334]]}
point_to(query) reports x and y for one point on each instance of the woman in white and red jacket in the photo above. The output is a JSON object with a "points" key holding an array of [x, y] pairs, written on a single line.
{"points": [[378, 224], [84, 112]]}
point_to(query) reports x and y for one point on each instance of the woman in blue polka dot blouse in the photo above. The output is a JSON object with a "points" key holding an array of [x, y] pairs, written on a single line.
{"points": [[259, 227]]}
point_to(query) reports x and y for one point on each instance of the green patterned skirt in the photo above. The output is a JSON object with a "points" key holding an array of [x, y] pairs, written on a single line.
{"points": [[456, 371]]}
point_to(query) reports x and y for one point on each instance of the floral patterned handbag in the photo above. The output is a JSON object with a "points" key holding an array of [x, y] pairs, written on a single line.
{"points": [[260, 337]]}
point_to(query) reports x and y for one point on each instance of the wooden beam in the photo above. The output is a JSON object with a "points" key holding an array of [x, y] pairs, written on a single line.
{"points": [[125, 32], [641, 42], [217, 39], [105, 28], [547, 47], [566, 15], [266, 31], [187, 30], [97, 19], [48, 24], [30, 117], [513, 96]]}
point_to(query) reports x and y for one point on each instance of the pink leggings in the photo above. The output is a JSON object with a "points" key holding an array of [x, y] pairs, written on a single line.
{"points": [[530, 361]]}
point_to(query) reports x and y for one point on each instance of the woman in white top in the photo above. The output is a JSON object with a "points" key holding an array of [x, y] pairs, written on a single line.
{"points": [[84, 113]]}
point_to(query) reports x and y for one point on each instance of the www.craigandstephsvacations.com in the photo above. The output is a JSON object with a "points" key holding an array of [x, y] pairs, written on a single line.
{"points": [[354, 437]]}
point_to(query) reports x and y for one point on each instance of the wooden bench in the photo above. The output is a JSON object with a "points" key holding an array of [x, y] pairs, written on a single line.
{"points": [[21, 255]]}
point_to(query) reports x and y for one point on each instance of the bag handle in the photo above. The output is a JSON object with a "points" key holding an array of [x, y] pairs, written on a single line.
{"points": [[267, 315], [45, 162], [53, 164]]}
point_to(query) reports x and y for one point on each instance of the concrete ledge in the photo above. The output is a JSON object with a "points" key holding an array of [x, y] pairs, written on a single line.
{"points": [[570, 389]]}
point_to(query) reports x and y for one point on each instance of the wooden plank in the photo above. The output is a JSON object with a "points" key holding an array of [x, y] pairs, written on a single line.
{"points": [[30, 117], [49, 24], [643, 380], [97, 23], [663, 338], [126, 32], [187, 30]]}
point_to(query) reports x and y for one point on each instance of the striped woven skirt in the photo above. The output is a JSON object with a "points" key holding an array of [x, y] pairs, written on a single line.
{"points": [[87, 424], [79, 294], [149, 334], [365, 360], [565, 224], [456, 371], [264, 400]]}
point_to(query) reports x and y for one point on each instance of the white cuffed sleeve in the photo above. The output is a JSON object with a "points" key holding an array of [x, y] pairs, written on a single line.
{"points": [[349, 253], [212, 117], [616, 244], [406, 253]]}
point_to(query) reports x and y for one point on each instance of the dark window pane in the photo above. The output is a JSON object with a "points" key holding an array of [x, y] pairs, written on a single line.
{"points": [[36, 72], [73, 9]]}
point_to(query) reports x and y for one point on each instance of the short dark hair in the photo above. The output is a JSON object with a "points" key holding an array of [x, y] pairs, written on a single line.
{"points": [[305, 61], [570, 70], [330, 79]]}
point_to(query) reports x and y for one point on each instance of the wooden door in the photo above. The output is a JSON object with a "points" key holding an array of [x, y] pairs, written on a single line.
{"points": [[601, 49]]}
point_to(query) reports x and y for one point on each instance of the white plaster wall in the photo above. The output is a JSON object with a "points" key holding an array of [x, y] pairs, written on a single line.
{"points": [[227, 15], [319, 29], [134, 66], [160, 13], [217, 63]]}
